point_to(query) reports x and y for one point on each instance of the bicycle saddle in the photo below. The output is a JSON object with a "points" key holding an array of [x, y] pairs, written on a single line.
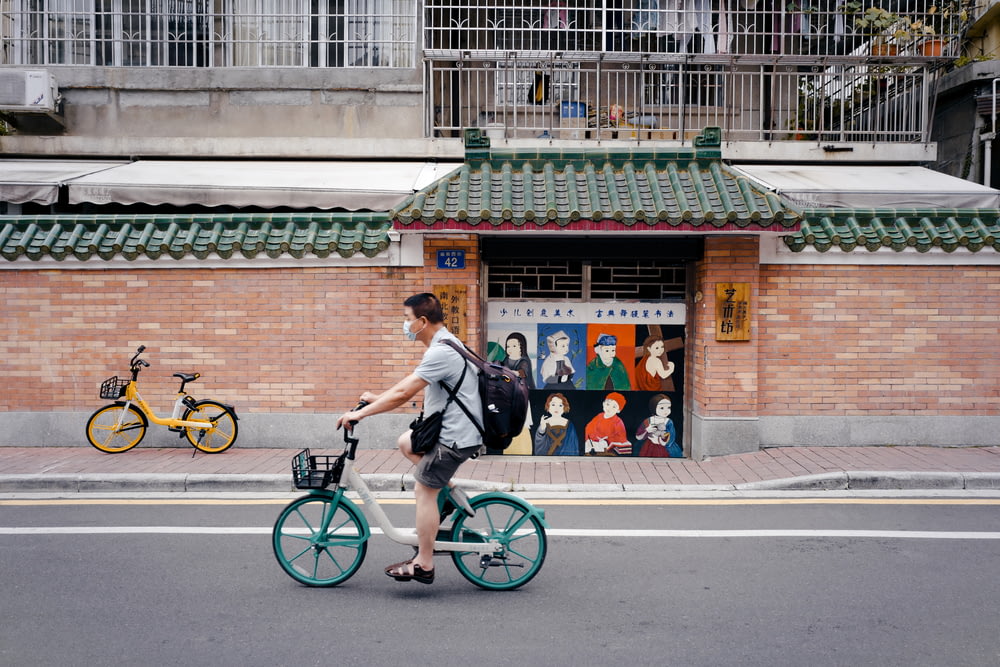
{"points": [[187, 377]]}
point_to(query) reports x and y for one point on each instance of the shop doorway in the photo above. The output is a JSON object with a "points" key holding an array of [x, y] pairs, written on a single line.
{"points": [[597, 327]]}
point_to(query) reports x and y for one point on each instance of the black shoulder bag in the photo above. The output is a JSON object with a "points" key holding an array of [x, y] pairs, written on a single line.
{"points": [[425, 433]]}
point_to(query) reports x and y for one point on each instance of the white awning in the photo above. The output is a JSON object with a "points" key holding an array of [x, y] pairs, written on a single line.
{"points": [[38, 181], [375, 186], [844, 186]]}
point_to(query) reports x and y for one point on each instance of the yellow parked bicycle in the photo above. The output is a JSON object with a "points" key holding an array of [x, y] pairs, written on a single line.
{"points": [[210, 426]]}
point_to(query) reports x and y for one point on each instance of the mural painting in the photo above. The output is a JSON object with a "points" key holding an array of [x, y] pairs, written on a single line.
{"points": [[606, 379], [561, 354], [556, 435]]}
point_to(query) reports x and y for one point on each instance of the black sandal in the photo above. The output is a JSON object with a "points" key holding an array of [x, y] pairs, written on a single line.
{"points": [[398, 572]]}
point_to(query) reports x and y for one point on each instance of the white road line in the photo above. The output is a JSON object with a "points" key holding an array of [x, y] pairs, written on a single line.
{"points": [[133, 530], [798, 534], [552, 532]]}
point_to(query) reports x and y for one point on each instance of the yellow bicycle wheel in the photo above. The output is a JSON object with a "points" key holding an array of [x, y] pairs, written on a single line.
{"points": [[115, 429], [220, 430]]}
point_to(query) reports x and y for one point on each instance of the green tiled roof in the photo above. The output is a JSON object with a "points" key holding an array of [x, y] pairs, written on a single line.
{"points": [[922, 229], [245, 234], [596, 190]]}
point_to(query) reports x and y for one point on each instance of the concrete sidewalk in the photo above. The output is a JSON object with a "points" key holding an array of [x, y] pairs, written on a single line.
{"points": [[84, 469]]}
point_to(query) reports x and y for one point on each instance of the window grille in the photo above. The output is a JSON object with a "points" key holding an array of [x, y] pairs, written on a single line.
{"points": [[211, 33], [616, 279], [106, 32], [815, 28], [535, 83], [672, 85], [663, 101], [645, 280], [551, 279]]}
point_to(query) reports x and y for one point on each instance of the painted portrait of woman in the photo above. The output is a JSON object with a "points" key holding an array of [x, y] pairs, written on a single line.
{"points": [[654, 371], [657, 432], [517, 359], [556, 435]]}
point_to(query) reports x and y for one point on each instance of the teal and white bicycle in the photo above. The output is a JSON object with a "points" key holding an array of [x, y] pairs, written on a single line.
{"points": [[321, 538]]}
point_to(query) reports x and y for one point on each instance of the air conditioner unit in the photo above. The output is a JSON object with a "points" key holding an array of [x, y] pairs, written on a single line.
{"points": [[28, 91]]}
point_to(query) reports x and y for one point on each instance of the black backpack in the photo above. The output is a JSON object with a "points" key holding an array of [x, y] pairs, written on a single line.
{"points": [[504, 395]]}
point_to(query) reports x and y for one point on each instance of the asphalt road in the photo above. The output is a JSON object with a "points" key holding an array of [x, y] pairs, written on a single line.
{"points": [[737, 582]]}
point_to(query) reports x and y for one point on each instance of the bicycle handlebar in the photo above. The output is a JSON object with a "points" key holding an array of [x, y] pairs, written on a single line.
{"points": [[352, 443], [349, 427], [352, 423], [136, 362]]}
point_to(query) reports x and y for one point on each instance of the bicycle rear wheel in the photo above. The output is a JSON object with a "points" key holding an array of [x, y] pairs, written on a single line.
{"points": [[320, 540], [106, 434], [220, 436], [521, 534]]}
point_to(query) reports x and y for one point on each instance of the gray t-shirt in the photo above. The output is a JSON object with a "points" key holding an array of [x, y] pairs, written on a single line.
{"points": [[441, 362]]}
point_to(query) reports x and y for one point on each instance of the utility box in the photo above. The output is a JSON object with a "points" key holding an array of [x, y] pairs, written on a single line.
{"points": [[28, 91], [30, 101]]}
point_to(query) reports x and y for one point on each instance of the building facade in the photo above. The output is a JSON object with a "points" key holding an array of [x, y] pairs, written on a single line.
{"points": [[251, 189]]}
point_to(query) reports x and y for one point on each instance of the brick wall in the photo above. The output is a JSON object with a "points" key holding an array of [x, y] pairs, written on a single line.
{"points": [[879, 340], [723, 380], [847, 340], [266, 340], [825, 340]]}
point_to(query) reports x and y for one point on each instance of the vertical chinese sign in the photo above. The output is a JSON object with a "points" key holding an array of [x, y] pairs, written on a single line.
{"points": [[455, 305], [606, 379], [732, 311]]}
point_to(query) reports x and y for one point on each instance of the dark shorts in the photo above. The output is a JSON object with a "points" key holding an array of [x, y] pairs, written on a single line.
{"points": [[439, 465]]}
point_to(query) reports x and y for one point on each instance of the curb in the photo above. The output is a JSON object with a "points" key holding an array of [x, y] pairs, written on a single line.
{"points": [[879, 480], [982, 480], [905, 480], [830, 481], [206, 483], [141, 482]]}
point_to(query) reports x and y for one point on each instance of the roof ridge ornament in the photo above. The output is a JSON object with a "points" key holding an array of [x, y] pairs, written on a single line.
{"points": [[475, 138], [710, 137]]}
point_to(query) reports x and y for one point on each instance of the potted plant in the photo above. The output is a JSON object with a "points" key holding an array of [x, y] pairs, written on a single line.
{"points": [[878, 24], [941, 23]]}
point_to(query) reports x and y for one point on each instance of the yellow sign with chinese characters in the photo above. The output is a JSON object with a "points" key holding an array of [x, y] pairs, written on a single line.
{"points": [[732, 311], [455, 304]]}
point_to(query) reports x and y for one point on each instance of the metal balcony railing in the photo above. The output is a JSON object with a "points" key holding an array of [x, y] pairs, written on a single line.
{"points": [[210, 33], [905, 29], [582, 69], [585, 100], [383, 33], [771, 70]]}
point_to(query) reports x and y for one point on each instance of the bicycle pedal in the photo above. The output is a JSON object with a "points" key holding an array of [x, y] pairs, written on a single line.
{"points": [[492, 561], [175, 429]]}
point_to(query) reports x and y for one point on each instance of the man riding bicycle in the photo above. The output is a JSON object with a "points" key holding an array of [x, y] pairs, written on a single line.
{"points": [[459, 440]]}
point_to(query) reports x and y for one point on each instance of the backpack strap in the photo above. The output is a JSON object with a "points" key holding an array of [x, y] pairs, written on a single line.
{"points": [[453, 393], [463, 350]]}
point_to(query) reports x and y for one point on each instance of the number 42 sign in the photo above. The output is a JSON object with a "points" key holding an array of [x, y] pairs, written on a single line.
{"points": [[451, 259]]}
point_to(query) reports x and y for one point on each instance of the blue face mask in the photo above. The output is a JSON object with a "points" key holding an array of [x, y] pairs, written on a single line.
{"points": [[406, 331]]}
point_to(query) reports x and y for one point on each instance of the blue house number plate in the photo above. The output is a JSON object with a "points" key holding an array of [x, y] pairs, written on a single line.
{"points": [[451, 259]]}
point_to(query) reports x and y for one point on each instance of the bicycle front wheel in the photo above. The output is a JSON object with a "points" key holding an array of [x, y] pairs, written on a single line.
{"points": [[320, 540], [522, 539], [115, 429], [220, 435]]}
